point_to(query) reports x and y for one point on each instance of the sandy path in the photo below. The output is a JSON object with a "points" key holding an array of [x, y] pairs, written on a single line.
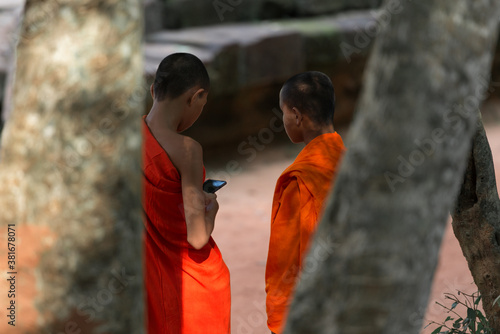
{"points": [[242, 233]]}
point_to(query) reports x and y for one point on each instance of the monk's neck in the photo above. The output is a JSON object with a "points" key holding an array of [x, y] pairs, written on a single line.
{"points": [[163, 117], [313, 133]]}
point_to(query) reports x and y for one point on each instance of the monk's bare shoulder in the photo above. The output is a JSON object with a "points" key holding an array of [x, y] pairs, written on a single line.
{"points": [[186, 154]]}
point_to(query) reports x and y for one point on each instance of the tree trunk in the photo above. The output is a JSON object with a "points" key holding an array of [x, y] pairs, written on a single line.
{"points": [[476, 223], [371, 264], [70, 170]]}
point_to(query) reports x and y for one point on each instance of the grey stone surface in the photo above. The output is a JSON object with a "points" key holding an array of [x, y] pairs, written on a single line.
{"points": [[324, 36], [188, 13], [318, 7], [265, 52], [249, 62], [236, 55]]}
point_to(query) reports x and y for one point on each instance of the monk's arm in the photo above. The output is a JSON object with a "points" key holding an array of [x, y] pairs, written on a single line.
{"points": [[199, 208]]}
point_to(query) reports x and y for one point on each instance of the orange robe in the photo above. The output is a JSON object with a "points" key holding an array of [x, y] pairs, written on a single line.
{"points": [[297, 206], [187, 290]]}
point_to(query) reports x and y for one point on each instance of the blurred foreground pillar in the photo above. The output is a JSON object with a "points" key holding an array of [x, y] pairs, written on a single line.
{"points": [[370, 268], [70, 171]]}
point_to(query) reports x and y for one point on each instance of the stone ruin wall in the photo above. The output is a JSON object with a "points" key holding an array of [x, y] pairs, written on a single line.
{"points": [[250, 48]]}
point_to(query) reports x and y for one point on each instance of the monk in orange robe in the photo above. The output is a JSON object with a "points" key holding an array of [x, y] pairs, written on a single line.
{"points": [[186, 280], [308, 103]]}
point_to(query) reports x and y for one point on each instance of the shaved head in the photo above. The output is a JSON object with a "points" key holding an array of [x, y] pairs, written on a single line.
{"points": [[178, 73], [311, 93]]}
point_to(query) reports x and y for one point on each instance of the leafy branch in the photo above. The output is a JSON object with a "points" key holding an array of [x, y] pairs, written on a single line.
{"points": [[473, 323]]}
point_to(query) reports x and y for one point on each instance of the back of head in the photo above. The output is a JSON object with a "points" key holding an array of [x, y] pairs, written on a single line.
{"points": [[178, 73], [311, 93]]}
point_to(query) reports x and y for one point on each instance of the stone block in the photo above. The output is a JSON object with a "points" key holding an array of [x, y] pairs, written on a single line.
{"points": [[236, 56], [248, 64], [321, 7], [272, 59], [329, 39], [325, 40], [189, 13]]}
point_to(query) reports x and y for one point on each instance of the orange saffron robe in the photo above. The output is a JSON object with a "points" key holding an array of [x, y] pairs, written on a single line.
{"points": [[297, 206], [187, 290]]}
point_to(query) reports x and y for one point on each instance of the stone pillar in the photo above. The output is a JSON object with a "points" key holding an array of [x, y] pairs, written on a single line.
{"points": [[70, 171]]}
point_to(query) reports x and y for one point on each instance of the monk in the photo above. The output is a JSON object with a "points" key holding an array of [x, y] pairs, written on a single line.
{"points": [[308, 103], [186, 280]]}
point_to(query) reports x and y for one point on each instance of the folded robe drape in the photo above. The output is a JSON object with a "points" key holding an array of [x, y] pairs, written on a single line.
{"points": [[187, 290], [297, 205]]}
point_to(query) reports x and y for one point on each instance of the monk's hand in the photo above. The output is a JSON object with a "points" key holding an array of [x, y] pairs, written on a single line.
{"points": [[211, 204]]}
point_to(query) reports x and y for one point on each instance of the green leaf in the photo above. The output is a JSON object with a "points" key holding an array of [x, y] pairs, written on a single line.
{"points": [[481, 317], [471, 314], [454, 305], [497, 301], [448, 318], [477, 300], [437, 330]]}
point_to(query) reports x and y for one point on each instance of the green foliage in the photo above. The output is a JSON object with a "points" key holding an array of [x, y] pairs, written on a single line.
{"points": [[474, 322]]}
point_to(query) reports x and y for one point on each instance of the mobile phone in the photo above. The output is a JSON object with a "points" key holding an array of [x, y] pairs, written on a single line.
{"points": [[211, 186]]}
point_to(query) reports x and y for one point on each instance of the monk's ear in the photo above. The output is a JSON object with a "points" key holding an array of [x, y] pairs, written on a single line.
{"points": [[195, 95], [199, 93], [298, 115], [151, 89]]}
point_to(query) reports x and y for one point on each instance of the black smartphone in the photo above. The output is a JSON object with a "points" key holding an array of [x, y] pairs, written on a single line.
{"points": [[211, 186]]}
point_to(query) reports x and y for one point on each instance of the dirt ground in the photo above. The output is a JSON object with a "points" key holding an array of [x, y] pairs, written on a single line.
{"points": [[242, 233]]}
